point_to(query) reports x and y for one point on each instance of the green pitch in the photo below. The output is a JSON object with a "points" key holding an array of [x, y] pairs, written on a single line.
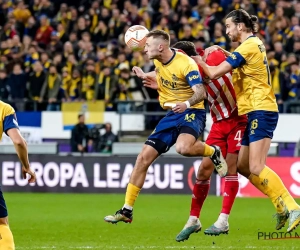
{"points": [[67, 221]]}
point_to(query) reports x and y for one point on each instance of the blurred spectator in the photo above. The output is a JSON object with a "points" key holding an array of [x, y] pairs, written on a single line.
{"points": [[36, 81], [127, 90], [43, 34], [55, 44], [294, 86], [31, 28], [21, 13], [66, 84], [46, 62], [106, 87], [17, 85], [61, 33], [16, 48], [45, 7], [89, 81], [75, 85], [107, 139], [51, 89], [31, 57], [79, 136], [8, 30], [4, 88], [218, 38], [293, 39]]}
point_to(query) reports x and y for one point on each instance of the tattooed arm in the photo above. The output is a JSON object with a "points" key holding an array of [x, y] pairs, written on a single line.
{"points": [[198, 96]]}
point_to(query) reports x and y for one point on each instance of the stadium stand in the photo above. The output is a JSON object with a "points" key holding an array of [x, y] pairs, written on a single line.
{"points": [[62, 51]]}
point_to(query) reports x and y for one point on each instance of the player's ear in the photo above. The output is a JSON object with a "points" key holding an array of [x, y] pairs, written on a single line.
{"points": [[240, 26], [160, 48]]}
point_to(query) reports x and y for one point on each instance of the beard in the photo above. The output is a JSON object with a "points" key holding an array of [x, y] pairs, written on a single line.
{"points": [[233, 38]]}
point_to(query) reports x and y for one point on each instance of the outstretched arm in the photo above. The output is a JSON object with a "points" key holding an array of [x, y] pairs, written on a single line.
{"points": [[214, 48], [141, 74], [214, 72]]}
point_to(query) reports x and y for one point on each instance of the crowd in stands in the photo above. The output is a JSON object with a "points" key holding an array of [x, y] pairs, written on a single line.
{"points": [[64, 51]]}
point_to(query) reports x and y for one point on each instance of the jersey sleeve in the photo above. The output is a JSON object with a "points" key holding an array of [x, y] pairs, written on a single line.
{"points": [[242, 54], [10, 119], [192, 74]]}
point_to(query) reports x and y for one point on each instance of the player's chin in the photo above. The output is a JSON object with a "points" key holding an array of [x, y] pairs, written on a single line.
{"points": [[233, 39]]}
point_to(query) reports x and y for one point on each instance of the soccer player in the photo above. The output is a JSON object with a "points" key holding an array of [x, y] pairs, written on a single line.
{"points": [[9, 125], [181, 90], [255, 97]]}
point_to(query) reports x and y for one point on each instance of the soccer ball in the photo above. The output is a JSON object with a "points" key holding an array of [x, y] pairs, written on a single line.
{"points": [[135, 37]]}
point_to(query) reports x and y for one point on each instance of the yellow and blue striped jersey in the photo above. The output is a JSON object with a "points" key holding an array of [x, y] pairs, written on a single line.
{"points": [[176, 78], [251, 77], [8, 118]]}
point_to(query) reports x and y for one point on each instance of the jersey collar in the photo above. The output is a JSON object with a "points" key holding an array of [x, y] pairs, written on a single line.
{"points": [[250, 36], [174, 54]]}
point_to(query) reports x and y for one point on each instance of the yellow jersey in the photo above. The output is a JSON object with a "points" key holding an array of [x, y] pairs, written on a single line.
{"points": [[251, 77], [8, 118], [176, 78]]}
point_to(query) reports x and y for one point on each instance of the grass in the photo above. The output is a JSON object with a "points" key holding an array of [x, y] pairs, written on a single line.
{"points": [[75, 221]]}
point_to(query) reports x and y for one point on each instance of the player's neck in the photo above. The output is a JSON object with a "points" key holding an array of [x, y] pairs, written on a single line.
{"points": [[167, 56], [245, 36]]}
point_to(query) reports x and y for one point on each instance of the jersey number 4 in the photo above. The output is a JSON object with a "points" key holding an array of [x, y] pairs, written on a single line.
{"points": [[238, 136], [268, 70]]}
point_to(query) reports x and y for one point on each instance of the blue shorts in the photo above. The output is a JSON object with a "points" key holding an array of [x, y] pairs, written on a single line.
{"points": [[3, 209], [261, 124], [192, 121]]}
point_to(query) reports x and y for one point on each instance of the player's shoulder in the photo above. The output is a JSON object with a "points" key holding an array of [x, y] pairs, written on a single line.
{"points": [[251, 44], [6, 109], [181, 57]]}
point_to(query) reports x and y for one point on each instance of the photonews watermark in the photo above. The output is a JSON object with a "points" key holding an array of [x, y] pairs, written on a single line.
{"points": [[277, 235]]}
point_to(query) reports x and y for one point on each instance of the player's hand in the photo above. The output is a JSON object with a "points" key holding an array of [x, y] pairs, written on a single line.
{"points": [[26, 171], [150, 82], [197, 59], [210, 49], [180, 107], [138, 72]]}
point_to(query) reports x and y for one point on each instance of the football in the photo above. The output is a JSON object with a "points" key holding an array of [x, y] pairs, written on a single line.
{"points": [[135, 37]]}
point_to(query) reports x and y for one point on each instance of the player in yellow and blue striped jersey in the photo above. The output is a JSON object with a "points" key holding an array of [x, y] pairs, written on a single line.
{"points": [[181, 91]]}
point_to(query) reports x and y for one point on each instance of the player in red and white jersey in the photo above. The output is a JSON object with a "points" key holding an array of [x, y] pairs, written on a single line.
{"points": [[226, 132]]}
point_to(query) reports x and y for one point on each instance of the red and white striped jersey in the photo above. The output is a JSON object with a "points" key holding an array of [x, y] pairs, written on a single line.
{"points": [[220, 92]]}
